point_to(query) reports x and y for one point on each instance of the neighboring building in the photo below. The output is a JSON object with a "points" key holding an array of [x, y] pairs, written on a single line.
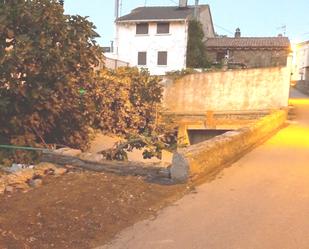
{"points": [[156, 37], [110, 62], [248, 52], [301, 61]]}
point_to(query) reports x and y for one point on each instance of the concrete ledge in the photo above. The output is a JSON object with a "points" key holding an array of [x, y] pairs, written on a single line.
{"points": [[208, 156], [122, 168]]}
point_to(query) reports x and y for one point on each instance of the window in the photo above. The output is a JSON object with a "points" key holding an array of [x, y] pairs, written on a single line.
{"points": [[220, 56], [163, 28], [142, 58], [142, 28], [162, 58]]}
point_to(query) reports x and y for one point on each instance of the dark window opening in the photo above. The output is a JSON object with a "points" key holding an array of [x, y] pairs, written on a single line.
{"points": [[162, 58], [142, 28], [201, 135], [142, 58], [163, 28], [220, 56]]}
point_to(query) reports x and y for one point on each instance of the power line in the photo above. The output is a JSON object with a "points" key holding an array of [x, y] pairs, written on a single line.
{"points": [[226, 30], [173, 2]]}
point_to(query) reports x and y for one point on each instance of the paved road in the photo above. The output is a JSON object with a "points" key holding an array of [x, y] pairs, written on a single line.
{"points": [[261, 202]]}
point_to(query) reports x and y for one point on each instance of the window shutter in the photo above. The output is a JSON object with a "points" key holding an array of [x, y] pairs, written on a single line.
{"points": [[142, 58], [142, 28], [163, 28], [162, 58]]}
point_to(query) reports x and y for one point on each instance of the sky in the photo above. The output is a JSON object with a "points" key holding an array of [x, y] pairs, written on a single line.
{"points": [[253, 17]]}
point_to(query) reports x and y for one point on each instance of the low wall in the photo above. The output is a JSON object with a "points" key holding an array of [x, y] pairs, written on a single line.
{"points": [[303, 86], [211, 155], [94, 162], [235, 90]]}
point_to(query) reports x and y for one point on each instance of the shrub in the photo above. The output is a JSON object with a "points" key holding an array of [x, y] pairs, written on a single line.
{"points": [[128, 100], [128, 104], [180, 73]]}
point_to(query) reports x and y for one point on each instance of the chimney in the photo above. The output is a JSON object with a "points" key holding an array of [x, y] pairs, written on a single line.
{"points": [[183, 3], [237, 33]]}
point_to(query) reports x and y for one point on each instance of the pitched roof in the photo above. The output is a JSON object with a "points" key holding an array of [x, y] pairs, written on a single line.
{"points": [[248, 42], [159, 13]]}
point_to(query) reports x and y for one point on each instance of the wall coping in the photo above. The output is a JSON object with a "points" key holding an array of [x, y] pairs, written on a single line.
{"points": [[210, 155]]}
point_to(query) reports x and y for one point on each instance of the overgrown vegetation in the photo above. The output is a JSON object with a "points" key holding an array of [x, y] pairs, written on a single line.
{"points": [[196, 50], [129, 105], [49, 93], [180, 73]]}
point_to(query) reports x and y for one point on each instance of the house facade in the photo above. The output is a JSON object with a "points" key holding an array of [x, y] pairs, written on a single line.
{"points": [[248, 52], [301, 61], [156, 38]]}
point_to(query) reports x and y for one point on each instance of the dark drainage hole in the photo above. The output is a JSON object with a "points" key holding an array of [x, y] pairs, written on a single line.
{"points": [[201, 135]]}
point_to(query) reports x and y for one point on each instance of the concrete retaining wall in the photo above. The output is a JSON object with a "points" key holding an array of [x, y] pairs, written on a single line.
{"points": [[211, 155], [237, 90]]}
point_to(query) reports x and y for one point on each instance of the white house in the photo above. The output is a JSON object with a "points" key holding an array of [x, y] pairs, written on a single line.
{"points": [[301, 61], [156, 37]]}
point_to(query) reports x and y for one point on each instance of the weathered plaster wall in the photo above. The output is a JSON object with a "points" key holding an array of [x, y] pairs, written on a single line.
{"points": [[301, 61], [237, 90], [128, 44], [206, 20], [253, 58]]}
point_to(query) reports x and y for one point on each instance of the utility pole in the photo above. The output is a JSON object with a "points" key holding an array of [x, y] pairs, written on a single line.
{"points": [[196, 9], [115, 47], [116, 9]]}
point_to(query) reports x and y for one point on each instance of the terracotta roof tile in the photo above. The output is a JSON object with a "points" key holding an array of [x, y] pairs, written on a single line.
{"points": [[248, 42]]}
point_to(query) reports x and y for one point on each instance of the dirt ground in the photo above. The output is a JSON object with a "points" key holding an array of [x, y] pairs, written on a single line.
{"points": [[79, 210]]}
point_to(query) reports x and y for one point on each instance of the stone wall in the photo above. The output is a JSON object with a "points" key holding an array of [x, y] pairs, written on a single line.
{"points": [[212, 155], [253, 58], [239, 91]]}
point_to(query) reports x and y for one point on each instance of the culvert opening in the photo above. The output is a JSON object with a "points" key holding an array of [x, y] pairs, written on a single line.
{"points": [[200, 135]]}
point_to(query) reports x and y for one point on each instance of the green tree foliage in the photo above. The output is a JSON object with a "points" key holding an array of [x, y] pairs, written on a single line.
{"points": [[127, 100], [49, 92], [46, 58], [196, 50], [128, 104]]}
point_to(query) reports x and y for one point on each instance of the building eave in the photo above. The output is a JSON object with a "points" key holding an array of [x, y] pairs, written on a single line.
{"points": [[246, 48], [152, 20]]}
